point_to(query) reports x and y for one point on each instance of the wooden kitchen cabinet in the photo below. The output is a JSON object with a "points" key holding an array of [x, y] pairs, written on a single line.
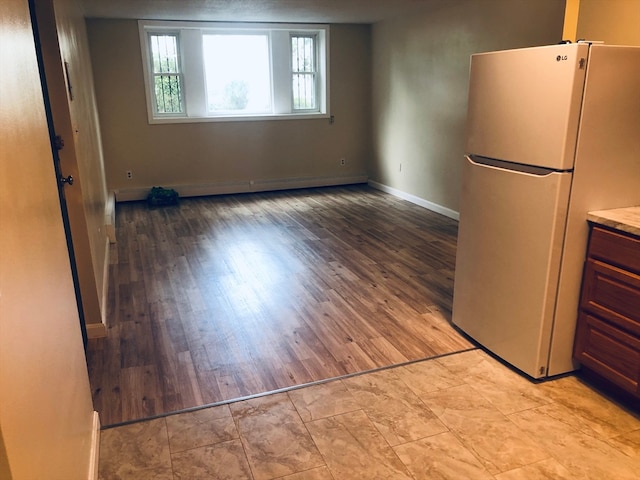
{"points": [[608, 331]]}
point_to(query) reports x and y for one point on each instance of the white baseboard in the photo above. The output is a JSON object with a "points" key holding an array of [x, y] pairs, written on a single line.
{"points": [[131, 194], [96, 330], [94, 458], [434, 207]]}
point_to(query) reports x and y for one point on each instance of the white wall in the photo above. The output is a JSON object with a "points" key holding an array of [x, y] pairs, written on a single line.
{"points": [[46, 415], [420, 77]]}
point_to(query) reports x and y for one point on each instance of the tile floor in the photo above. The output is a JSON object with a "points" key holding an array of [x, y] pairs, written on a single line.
{"points": [[463, 416]]}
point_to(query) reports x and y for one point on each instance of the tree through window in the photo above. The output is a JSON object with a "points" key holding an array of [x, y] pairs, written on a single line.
{"points": [[238, 73]]}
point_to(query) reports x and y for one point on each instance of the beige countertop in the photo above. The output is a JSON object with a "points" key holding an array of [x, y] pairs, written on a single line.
{"points": [[623, 219]]}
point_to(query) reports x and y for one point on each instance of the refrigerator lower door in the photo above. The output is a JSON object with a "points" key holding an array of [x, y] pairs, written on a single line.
{"points": [[510, 243]]}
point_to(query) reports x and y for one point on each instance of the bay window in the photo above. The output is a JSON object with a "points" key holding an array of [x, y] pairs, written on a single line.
{"points": [[215, 71]]}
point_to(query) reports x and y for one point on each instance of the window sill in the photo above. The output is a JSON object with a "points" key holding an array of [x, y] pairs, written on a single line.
{"points": [[240, 118]]}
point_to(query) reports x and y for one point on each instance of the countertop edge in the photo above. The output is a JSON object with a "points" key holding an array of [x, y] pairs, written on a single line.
{"points": [[622, 219]]}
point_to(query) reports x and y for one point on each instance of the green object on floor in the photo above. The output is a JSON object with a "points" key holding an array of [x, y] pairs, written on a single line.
{"points": [[159, 197]]}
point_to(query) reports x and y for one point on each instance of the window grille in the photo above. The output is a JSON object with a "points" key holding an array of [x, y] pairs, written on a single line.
{"points": [[167, 77], [304, 72]]}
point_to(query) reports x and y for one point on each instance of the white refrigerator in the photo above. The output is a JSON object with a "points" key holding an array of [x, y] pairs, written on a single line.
{"points": [[552, 133]]}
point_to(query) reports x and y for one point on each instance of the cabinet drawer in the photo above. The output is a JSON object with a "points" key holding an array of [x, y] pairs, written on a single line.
{"points": [[613, 294], [609, 352], [615, 248]]}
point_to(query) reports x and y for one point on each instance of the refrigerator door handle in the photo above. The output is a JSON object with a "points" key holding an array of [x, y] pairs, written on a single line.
{"points": [[511, 166]]}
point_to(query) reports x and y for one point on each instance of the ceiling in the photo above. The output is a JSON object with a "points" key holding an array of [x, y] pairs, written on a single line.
{"points": [[303, 11]]}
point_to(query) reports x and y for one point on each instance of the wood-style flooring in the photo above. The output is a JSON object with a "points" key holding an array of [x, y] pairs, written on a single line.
{"points": [[229, 296]]}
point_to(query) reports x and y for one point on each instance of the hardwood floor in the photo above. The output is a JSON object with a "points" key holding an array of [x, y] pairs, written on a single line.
{"points": [[228, 296]]}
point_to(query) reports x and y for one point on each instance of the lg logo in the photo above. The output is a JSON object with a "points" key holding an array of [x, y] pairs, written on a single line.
{"points": [[560, 58]]}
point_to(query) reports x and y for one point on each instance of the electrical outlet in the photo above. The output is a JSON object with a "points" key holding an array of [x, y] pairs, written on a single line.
{"points": [[129, 174], [343, 161]]}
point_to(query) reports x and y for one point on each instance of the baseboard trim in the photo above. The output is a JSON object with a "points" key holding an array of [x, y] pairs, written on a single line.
{"points": [[434, 207], [133, 194], [96, 330], [94, 456]]}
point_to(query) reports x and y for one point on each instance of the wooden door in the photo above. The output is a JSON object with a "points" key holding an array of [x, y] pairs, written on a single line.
{"points": [[46, 418]]}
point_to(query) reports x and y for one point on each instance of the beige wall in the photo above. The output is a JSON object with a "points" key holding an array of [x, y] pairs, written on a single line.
{"points": [[616, 22], [46, 415], [226, 154], [420, 77]]}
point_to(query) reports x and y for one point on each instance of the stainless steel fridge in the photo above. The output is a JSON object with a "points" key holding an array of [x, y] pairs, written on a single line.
{"points": [[552, 133]]}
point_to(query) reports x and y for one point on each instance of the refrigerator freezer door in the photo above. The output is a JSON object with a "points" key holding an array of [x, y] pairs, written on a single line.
{"points": [[508, 261], [524, 104]]}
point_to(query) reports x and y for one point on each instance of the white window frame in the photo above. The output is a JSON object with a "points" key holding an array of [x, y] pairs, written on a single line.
{"points": [[192, 69], [314, 74], [178, 73]]}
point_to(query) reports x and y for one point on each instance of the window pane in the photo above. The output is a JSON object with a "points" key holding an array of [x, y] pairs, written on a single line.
{"points": [[303, 54], [166, 77], [168, 94], [238, 73], [303, 69], [304, 91], [164, 53]]}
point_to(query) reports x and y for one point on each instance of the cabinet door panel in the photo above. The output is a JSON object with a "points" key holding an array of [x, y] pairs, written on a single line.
{"points": [[608, 352], [613, 294], [615, 248]]}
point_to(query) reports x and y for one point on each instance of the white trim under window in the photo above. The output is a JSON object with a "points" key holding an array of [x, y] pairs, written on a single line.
{"points": [[209, 71]]}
